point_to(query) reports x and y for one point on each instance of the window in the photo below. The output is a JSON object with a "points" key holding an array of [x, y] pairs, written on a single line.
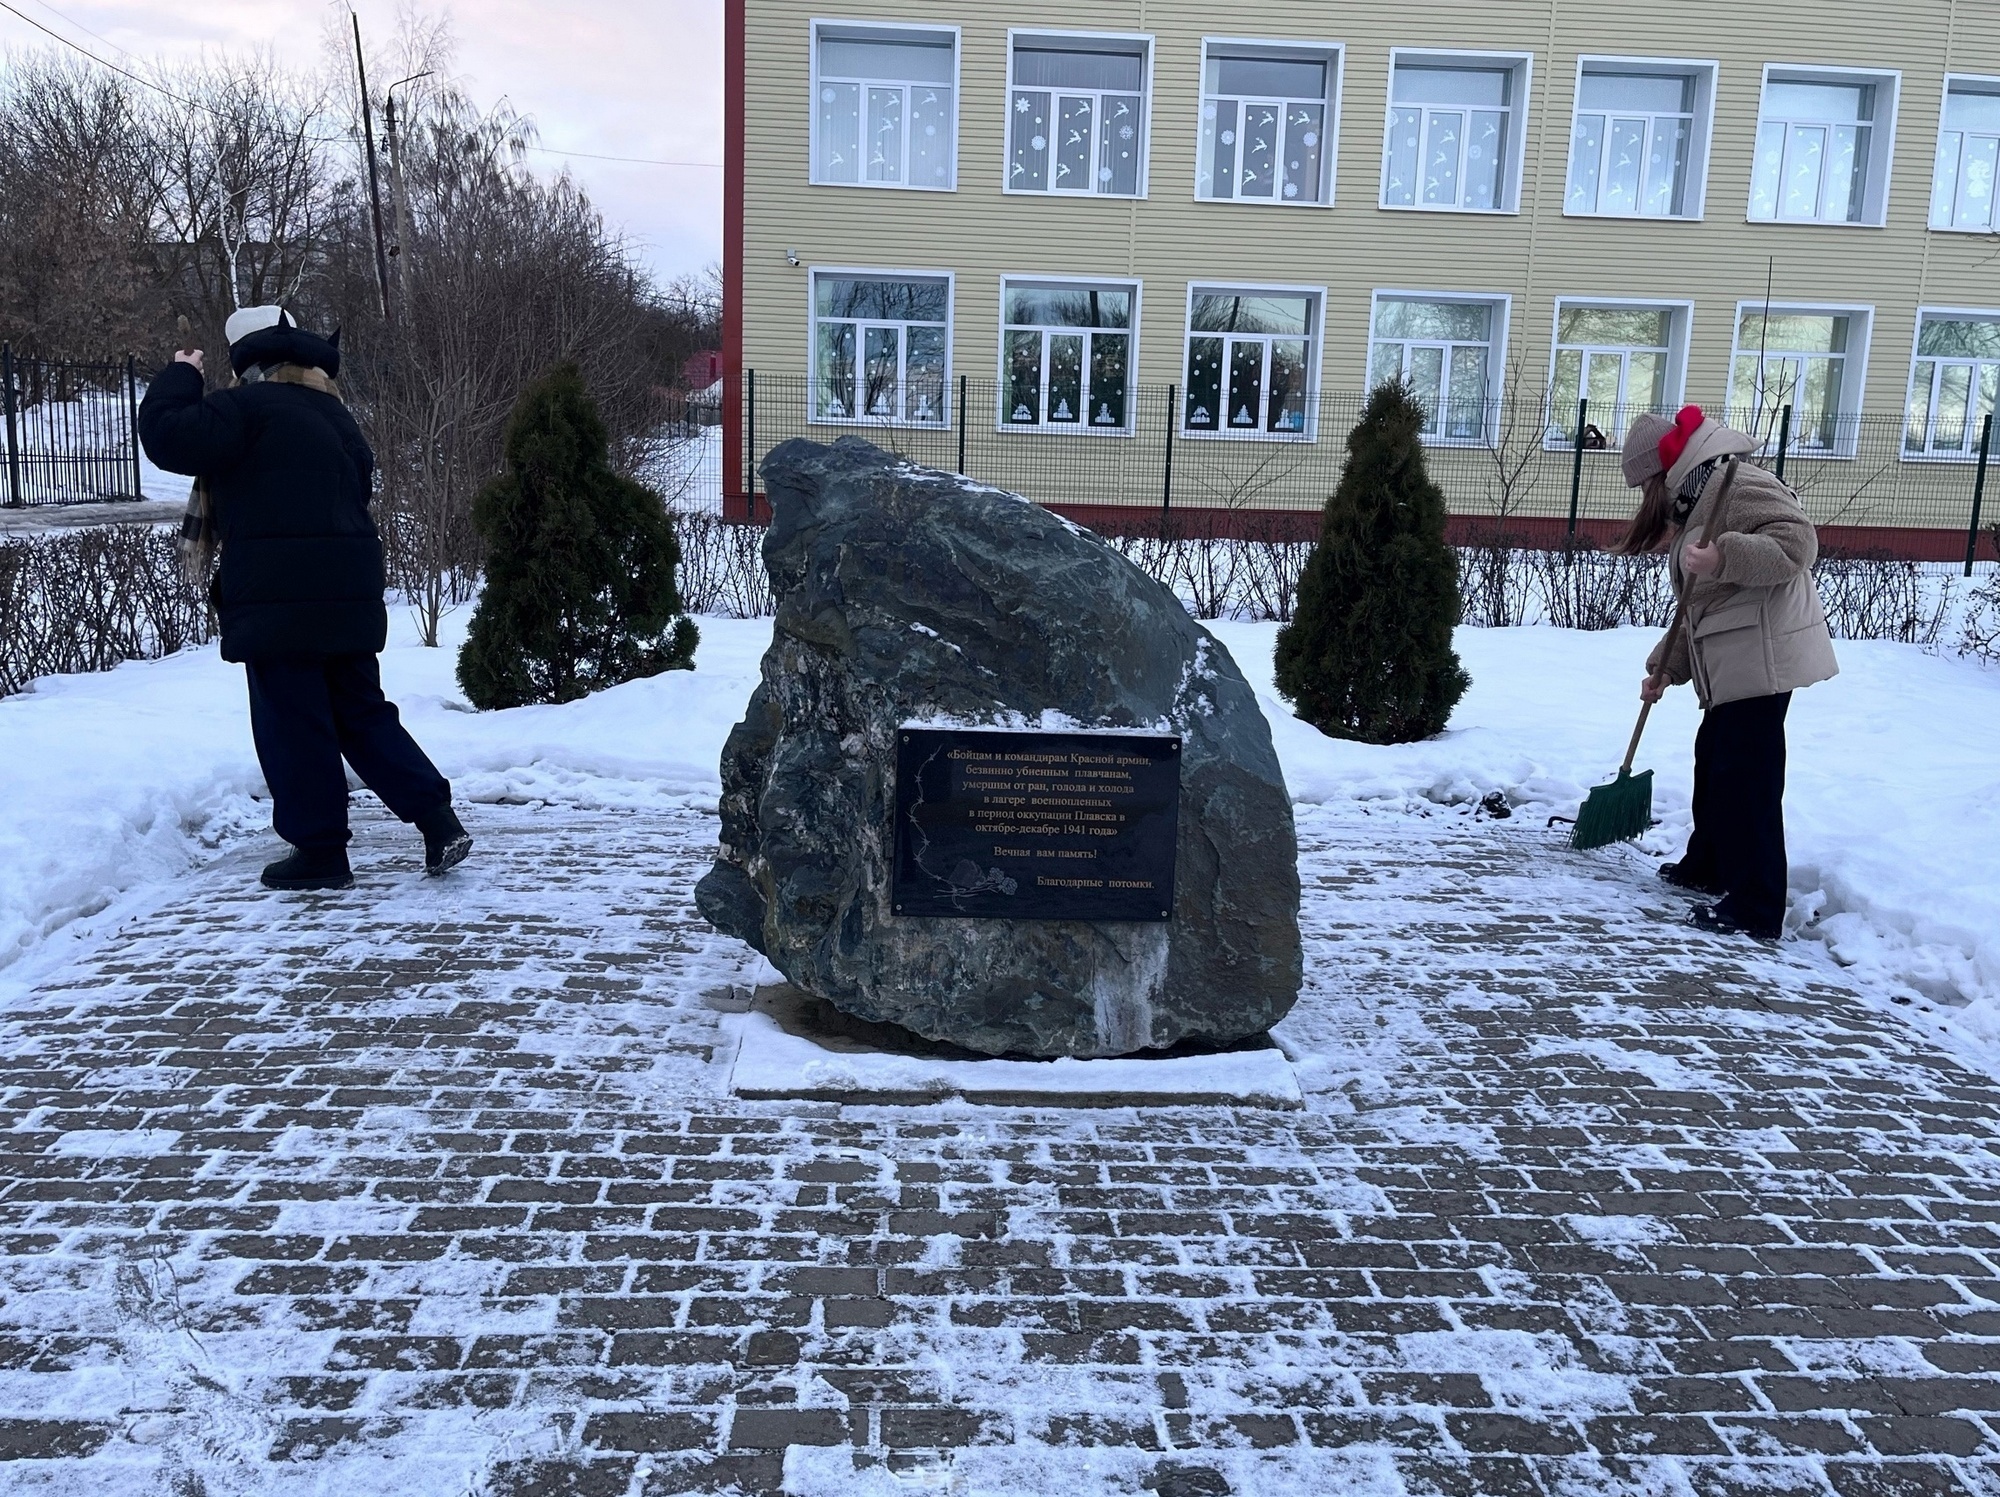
{"points": [[1252, 359], [1451, 139], [1066, 355], [1622, 359], [885, 106], [881, 347], [1952, 383], [1639, 138], [1268, 114], [1968, 150], [1445, 349], [1808, 358], [1077, 121], [1823, 144]]}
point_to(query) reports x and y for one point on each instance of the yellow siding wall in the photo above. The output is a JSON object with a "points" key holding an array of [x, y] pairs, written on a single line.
{"points": [[1536, 255]]}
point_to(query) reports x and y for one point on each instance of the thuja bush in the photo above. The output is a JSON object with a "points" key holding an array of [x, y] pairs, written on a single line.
{"points": [[1368, 653], [580, 587]]}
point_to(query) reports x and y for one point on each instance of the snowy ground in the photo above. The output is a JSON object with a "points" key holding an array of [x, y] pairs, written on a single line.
{"points": [[119, 780]]}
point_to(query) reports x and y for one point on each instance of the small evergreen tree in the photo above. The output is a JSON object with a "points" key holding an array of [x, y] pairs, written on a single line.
{"points": [[1368, 653], [580, 563]]}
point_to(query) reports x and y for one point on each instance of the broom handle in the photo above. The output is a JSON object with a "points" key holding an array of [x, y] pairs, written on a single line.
{"points": [[1632, 748], [1708, 534]]}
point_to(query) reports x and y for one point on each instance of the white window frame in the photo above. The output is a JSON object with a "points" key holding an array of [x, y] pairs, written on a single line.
{"points": [[1334, 55], [1701, 131], [1521, 64], [1853, 380], [1083, 428], [1502, 303], [1315, 357], [1015, 34], [879, 273], [1562, 422], [812, 118], [1882, 154], [1991, 85], [1969, 451]]}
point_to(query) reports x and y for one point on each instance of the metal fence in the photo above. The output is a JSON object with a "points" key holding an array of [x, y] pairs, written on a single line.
{"points": [[1506, 460], [72, 430]]}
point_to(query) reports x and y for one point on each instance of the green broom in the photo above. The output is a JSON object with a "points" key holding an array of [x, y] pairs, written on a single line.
{"points": [[1622, 810]]}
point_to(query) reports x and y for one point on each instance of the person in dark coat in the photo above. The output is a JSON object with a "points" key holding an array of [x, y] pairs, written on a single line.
{"points": [[299, 591]]}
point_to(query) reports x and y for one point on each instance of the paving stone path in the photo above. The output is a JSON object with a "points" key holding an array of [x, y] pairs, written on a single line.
{"points": [[436, 1188]]}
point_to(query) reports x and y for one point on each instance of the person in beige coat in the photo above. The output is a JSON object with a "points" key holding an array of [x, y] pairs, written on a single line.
{"points": [[1754, 634]]}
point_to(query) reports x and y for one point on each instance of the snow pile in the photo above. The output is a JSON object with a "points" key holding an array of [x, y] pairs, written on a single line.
{"points": [[119, 780]]}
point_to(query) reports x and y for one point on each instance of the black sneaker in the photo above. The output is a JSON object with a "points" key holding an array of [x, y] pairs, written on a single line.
{"points": [[446, 842], [310, 868], [1682, 877], [1714, 919]]}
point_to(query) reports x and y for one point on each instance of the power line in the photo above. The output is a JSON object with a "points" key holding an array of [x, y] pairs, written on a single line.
{"points": [[157, 88], [100, 61], [633, 160]]}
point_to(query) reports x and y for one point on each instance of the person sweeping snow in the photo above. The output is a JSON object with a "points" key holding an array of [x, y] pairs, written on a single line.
{"points": [[1755, 633], [283, 484]]}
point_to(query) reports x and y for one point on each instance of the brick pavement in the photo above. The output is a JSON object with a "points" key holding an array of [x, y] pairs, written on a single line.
{"points": [[434, 1188]]}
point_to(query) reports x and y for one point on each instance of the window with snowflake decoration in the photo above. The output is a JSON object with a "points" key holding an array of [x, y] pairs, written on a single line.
{"points": [[1452, 139], [1268, 112], [1637, 138], [1962, 188], [1252, 361], [881, 348], [1076, 120], [884, 106], [1823, 146], [1066, 355]]}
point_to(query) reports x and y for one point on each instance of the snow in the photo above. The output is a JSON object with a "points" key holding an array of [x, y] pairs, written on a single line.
{"points": [[120, 781], [772, 1062]]}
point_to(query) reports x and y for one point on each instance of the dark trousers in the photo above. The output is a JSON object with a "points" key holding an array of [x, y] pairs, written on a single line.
{"points": [[1738, 844], [306, 715]]}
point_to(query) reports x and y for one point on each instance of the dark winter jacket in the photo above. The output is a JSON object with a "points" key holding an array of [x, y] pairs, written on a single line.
{"points": [[290, 476]]}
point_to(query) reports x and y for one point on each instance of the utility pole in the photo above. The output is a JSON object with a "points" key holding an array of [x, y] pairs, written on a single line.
{"points": [[374, 180]]}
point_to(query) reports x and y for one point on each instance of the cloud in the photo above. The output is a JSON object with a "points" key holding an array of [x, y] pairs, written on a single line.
{"points": [[608, 77]]}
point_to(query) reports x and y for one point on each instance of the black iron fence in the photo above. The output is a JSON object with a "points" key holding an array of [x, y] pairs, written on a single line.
{"points": [[1512, 460], [71, 430]]}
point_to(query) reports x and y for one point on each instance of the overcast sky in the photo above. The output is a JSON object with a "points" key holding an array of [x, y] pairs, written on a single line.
{"points": [[612, 77]]}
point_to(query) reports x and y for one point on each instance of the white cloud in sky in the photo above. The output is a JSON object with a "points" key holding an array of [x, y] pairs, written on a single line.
{"points": [[610, 77]]}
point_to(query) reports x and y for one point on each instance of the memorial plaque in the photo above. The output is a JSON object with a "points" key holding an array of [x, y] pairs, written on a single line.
{"points": [[1036, 826]]}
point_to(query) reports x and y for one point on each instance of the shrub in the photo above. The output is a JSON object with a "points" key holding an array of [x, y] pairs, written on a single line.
{"points": [[86, 599], [1368, 652], [580, 590]]}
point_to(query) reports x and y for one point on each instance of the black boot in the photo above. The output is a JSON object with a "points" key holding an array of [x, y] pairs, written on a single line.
{"points": [[1683, 877], [1714, 919], [310, 868], [446, 842]]}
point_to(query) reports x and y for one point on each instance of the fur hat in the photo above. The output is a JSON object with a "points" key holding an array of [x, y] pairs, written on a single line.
{"points": [[1641, 457], [1694, 440], [271, 335]]}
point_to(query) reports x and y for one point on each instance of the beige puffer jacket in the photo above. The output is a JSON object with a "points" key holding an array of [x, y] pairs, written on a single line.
{"points": [[1755, 627]]}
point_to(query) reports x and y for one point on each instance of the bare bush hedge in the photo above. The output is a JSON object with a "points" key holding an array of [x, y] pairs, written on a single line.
{"points": [[84, 600]]}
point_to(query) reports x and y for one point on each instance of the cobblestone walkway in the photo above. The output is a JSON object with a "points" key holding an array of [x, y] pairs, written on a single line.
{"points": [[434, 1188]]}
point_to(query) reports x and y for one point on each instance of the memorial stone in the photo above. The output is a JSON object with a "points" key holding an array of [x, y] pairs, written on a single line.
{"points": [[918, 613]]}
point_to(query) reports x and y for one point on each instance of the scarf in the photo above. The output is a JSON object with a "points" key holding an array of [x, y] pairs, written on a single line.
{"points": [[201, 538], [1689, 493]]}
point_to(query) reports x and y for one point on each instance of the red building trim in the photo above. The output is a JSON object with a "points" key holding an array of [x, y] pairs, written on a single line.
{"points": [[735, 28]]}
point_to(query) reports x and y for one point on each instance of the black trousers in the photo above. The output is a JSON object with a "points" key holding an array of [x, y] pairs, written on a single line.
{"points": [[306, 715], [1738, 844]]}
